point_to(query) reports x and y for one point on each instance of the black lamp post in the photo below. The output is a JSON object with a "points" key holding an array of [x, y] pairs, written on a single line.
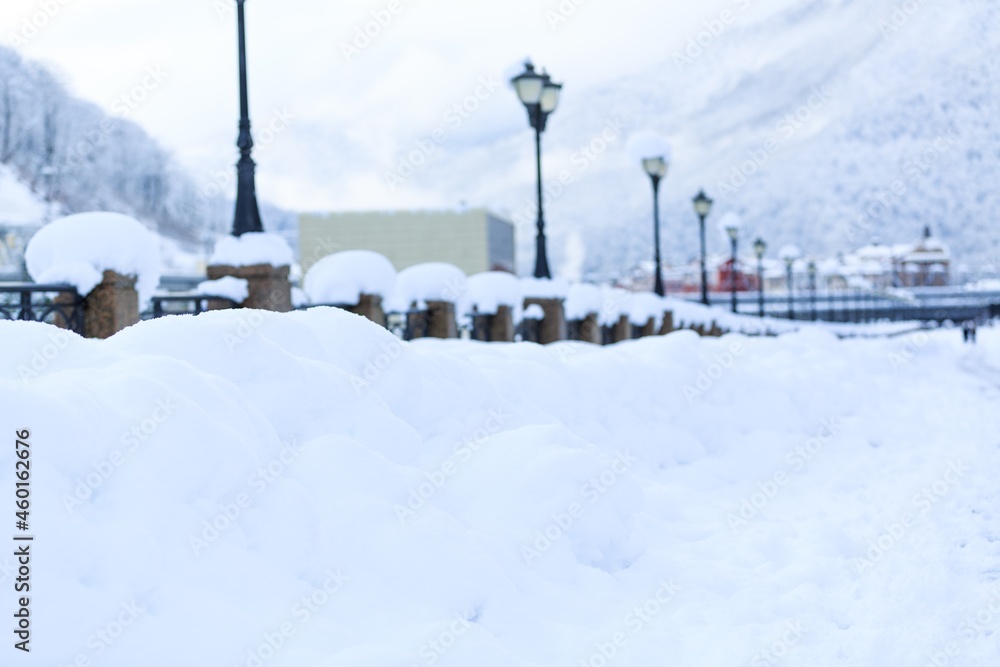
{"points": [[733, 230], [759, 248], [811, 268], [656, 167], [703, 206], [247, 217], [540, 97]]}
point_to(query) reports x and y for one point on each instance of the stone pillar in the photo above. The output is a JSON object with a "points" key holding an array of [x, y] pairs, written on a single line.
{"points": [[502, 325], [648, 329], [441, 320], [370, 306], [668, 323], [622, 330], [111, 306], [268, 286], [588, 330], [553, 327]]}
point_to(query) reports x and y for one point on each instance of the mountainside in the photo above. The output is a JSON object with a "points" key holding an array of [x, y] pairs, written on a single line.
{"points": [[74, 157], [827, 125]]}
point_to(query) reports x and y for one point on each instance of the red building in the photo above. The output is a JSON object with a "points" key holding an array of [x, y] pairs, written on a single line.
{"points": [[745, 282]]}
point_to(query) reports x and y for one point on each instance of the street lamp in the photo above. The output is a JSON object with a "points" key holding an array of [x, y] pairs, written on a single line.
{"points": [[656, 167], [811, 269], [759, 248], [790, 254], [540, 97], [731, 224], [247, 217], [703, 206]]}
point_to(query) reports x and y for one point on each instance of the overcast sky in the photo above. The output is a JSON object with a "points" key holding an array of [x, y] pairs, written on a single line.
{"points": [[368, 103]]}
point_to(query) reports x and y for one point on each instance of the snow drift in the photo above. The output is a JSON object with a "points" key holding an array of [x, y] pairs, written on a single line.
{"points": [[302, 489]]}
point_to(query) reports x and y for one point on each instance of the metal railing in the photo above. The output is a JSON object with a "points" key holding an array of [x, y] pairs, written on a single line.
{"points": [[60, 305], [863, 307], [183, 304]]}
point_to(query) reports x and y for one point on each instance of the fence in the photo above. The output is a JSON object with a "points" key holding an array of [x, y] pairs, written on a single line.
{"points": [[861, 307], [60, 305], [185, 305]]}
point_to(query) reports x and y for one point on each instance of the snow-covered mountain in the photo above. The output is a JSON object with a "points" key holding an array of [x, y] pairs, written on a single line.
{"points": [[828, 124]]}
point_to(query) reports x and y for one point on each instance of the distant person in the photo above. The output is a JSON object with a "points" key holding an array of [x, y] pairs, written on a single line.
{"points": [[972, 331], [965, 331]]}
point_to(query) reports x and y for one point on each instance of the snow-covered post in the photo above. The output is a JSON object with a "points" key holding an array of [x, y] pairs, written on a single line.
{"points": [[111, 306], [550, 296], [667, 325], [622, 330], [356, 280], [111, 259], [583, 305], [441, 320], [264, 261], [435, 288], [493, 296], [646, 313]]}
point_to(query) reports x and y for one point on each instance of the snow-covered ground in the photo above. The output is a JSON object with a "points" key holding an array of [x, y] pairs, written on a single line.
{"points": [[246, 488]]}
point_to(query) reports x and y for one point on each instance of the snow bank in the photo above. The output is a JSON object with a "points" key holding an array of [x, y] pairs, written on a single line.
{"points": [[486, 292], [433, 281], [243, 479], [544, 288], [79, 248], [228, 287], [341, 278], [582, 300], [251, 249]]}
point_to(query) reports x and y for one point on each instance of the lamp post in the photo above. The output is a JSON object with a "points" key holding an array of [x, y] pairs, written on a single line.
{"points": [[732, 227], [540, 97], [247, 216], [656, 167], [811, 269], [790, 254], [759, 248], [703, 206]]}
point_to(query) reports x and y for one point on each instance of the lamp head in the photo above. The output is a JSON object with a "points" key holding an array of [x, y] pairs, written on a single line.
{"points": [[759, 247], [702, 204], [529, 85], [656, 167]]}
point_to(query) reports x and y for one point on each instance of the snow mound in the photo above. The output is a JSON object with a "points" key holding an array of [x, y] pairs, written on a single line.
{"points": [[246, 479], [727, 221], [299, 298], [534, 312], [544, 288], [433, 281], [616, 302], [251, 249], [582, 300], [789, 252], [648, 144], [488, 291], [341, 278], [645, 305], [228, 287], [79, 248]]}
